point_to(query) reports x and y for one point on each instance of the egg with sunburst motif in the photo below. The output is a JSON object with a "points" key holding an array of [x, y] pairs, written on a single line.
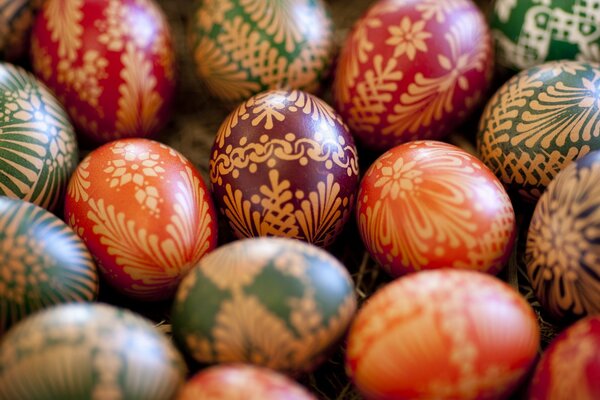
{"points": [[111, 63], [273, 302]]}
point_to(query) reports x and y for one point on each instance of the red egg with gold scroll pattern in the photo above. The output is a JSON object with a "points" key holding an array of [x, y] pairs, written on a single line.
{"points": [[443, 334], [145, 214], [570, 366], [111, 63], [413, 70], [428, 204], [242, 381]]}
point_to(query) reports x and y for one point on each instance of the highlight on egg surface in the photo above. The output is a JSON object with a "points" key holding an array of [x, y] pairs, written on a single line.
{"points": [[145, 214], [562, 255], [447, 334], [427, 205], [111, 62], [273, 302], [284, 164]]}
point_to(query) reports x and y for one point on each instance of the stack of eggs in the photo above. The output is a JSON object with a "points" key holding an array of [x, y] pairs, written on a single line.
{"points": [[134, 223]]}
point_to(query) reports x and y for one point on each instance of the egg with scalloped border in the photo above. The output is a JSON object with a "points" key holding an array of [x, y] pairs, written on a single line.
{"points": [[245, 47], [412, 70], [242, 381], [284, 164], [562, 257], [111, 62], [570, 366], [538, 122], [145, 214], [446, 334], [273, 302], [428, 204], [38, 148], [42, 262], [88, 351], [16, 20]]}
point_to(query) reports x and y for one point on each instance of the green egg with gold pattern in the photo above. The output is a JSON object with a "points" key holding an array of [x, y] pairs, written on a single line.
{"points": [[540, 121], [274, 302], [243, 47], [38, 148], [16, 20], [42, 262], [88, 351]]}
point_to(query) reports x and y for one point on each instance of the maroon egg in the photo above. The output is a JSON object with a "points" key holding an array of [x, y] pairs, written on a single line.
{"points": [[284, 164]]}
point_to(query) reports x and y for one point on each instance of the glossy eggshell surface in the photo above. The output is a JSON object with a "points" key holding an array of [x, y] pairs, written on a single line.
{"points": [[412, 70], [531, 32], [540, 121], [274, 302], [284, 164], [16, 19], [111, 62], [88, 351], [38, 148], [240, 381], [443, 334], [145, 214], [562, 255], [427, 204], [245, 47], [570, 366], [42, 262]]}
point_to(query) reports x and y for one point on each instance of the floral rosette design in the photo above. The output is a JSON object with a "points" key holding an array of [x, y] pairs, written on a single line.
{"points": [[412, 70], [539, 122], [243, 47], [562, 254], [427, 204], [42, 262], [88, 351], [111, 62], [38, 147], [284, 164], [144, 212], [273, 302]]}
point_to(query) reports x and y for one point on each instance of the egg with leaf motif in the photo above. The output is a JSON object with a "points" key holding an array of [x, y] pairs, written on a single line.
{"points": [[273, 302]]}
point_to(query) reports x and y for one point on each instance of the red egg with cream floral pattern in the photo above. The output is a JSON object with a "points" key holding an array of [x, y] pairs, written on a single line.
{"points": [[110, 62]]}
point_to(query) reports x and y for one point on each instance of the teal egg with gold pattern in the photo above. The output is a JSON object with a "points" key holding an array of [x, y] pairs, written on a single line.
{"points": [[532, 32], [540, 121], [38, 148], [243, 47], [88, 351], [274, 302], [42, 262]]}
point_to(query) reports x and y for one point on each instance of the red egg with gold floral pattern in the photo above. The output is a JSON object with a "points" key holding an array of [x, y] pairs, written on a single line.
{"points": [[144, 213], [413, 70], [110, 62], [443, 334], [428, 205]]}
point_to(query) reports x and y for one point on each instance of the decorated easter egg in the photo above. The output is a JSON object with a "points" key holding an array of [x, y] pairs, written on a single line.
{"points": [[284, 164], [562, 256], [38, 150], [531, 32], [16, 19], [570, 366], [274, 302], [244, 47], [427, 204], [443, 334], [540, 121], [242, 381], [88, 351], [145, 214], [111, 62], [412, 70], [42, 262]]}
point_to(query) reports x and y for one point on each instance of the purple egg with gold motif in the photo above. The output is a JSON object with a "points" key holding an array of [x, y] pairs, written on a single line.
{"points": [[284, 164]]}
